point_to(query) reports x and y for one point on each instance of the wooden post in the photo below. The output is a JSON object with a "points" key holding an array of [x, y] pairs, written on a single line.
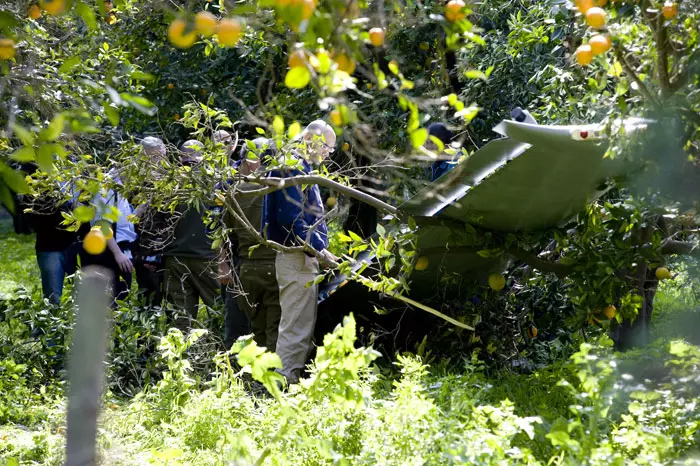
{"points": [[86, 364]]}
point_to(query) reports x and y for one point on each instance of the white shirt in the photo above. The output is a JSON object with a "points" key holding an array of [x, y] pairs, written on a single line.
{"points": [[125, 229]]}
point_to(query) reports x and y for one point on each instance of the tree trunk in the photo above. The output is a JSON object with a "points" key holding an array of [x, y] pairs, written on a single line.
{"points": [[630, 334]]}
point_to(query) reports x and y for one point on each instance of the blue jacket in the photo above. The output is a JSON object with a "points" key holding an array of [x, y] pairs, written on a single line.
{"points": [[440, 167], [291, 212]]}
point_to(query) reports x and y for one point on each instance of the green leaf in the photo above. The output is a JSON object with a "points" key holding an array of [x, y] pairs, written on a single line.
{"points": [[260, 131], [111, 113], [142, 76], [53, 131], [419, 137], [278, 125], [6, 198], [23, 134], [297, 78], [44, 157], [84, 213], [69, 64], [87, 14], [293, 130], [23, 154], [476, 74], [8, 20], [15, 180]]}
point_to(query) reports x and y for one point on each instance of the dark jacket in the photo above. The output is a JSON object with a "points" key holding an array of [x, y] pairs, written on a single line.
{"points": [[291, 213]]}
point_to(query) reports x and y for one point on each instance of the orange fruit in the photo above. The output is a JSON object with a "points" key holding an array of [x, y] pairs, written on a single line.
{"points": [[421, 264], [596, 17], [497, 281], [34, 12], [229, 32], [662, 273], [454, 11], [110, 18], [599, 44], [336, 118], [205, 23], [345, 63], [601, 3], [7, 49], [54, 7], [297, 58], [179, 36], [532, 331], [670, 10], [331, 201], [307, 8], [346, 146], [610, 311], [584, 55], [95, 242], [108, 7], [376, 36], [424, 46], [171, 86], [584, 5], [176, 116]]}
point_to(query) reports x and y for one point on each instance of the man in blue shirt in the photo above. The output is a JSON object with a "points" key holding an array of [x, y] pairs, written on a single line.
{"points": [[294, 217]]}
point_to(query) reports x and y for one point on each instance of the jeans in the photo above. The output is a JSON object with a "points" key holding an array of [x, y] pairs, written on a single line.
{"points": [[54, 266]]}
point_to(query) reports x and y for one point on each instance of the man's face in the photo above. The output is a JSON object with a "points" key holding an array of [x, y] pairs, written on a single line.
{"points": [[319, 147]]}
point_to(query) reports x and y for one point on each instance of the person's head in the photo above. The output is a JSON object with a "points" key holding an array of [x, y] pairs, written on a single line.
{"points": [[320, 140], [154, 148], [191, 152], [263, 148], [440, 131], [225, 138]]}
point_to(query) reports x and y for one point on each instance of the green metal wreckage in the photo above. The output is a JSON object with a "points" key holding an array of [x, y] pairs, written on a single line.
{"points": [[532, 178]]}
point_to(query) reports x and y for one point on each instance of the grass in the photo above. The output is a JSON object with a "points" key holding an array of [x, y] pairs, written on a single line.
{"points": [[19, 267]]}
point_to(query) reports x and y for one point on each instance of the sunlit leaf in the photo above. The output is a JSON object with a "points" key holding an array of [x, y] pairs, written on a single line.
{"points": [[297, 77]]}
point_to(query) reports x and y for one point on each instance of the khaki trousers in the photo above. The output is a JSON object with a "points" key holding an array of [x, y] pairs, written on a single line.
{"points": [[298, 303], [188, 279]]}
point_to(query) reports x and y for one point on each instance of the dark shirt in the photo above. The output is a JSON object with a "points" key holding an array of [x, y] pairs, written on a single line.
{"points": [[190, 236], [252, 209], [51, 236], [291, 213]]}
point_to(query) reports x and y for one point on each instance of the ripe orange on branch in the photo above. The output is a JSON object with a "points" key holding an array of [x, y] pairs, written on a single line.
{"points": [[7, 49], [376, 36], [670, 10], [206, 23], [454, 11], [179, 36], [584, 55], [54, 7], [229, 32], [600, 44], [596, 17], [34, 12], [345, 63], [95, 242]]}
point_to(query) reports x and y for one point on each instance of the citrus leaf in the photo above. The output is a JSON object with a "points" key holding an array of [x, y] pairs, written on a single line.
{"points": [[14, 179], [84, 213], [23, 154], [53, 131], [87, 14], [419, 136], [69, 64], [23, 134], [297, 78]]}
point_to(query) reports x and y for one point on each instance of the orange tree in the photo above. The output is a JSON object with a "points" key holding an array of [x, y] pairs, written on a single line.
{"points": [[79, 79]]}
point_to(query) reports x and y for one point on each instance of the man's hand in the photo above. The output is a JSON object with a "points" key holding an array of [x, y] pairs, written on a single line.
{"points": [[224, 273], [124, 262]]}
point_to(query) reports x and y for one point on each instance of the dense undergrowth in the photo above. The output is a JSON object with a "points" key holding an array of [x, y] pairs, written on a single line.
{"points": [[173, 400]]}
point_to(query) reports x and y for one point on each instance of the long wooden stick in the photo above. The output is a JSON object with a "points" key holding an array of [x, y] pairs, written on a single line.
{"points": [[86, 365]]}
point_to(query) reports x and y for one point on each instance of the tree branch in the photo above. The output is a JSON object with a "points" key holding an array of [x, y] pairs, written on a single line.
{"points": [[679, 247], [620, 54], [560, 270], [276, 184]]}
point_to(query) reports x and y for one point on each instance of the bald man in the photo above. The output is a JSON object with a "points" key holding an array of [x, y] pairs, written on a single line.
{"points": [[294, 217]]}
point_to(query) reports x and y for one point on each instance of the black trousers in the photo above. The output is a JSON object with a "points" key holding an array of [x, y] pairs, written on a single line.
{"points": [[150, 278]]}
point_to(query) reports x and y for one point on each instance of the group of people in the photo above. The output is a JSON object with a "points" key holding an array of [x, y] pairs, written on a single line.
{"points": [[279, 244]]}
